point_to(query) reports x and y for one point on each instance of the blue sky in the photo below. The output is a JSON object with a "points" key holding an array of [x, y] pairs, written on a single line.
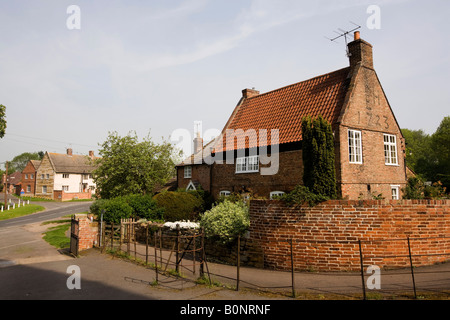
{"points": [[157, 66]]}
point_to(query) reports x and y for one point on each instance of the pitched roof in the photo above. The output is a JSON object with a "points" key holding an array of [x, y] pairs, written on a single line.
{"points": [[71, 164], [284, 108], [35, 163]]}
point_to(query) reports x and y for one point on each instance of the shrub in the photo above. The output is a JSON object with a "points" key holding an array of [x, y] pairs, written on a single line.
{"points": [[144, 207], [179, 205], [226, 221], [133, 206], [116, 209], [302, 195], [417, 189]]}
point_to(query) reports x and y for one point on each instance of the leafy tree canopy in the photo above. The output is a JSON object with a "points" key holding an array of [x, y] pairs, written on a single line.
{"points": [[19, 162], [429, 155], [2, 120], [129, 166]]}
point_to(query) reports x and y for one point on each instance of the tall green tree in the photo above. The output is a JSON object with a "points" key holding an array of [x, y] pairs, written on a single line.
{"points": [[2, 120], [318, 156], [418, 150], [19, 162], [429, 155], [440, 144], [129, 166]]}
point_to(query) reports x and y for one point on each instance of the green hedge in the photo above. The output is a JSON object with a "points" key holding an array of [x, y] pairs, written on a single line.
{"points": [[132, 206], [179, 205]]}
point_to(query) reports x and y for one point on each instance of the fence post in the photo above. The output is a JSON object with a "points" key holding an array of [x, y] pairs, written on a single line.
{"points": [[177, 247], [134, 238], [193, 252], [412, 269], [292, 269], [112, 236], [362, 270], [202, 243], [238, 262], [156, 259], [146, 244]]}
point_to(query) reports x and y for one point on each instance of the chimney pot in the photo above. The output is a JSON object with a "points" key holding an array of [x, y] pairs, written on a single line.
{"points": [[357, 35], [91, 154], [69, 151], [248, 93]]}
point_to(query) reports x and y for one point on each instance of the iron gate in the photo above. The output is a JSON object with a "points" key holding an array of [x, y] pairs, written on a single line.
{"points": [[74, 240]]}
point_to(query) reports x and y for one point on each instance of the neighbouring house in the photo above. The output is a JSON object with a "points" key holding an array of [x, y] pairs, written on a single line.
{"points": [[14, 182], [260, 149], [65, 176], [29, 178]]}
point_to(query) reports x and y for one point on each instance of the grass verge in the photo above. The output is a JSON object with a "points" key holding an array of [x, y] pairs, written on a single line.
{"points": [[56, 236], [19, 212]]}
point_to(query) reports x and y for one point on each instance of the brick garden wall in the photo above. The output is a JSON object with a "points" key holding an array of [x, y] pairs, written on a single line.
{"points": [[326, 237]]}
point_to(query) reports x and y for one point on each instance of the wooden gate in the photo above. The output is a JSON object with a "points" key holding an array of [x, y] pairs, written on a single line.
{"points": [[74, 240]]}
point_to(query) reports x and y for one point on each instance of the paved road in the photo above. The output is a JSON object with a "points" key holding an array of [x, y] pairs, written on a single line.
{"points": [[32, 269], [53, 210]]}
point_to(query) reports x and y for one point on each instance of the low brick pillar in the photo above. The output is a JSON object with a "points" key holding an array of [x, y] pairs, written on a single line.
{"points": [[87, 231]]}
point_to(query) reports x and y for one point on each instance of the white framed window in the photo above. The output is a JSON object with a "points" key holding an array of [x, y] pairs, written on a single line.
{"points": [[390, 149], [247, 164], [65, 188], [31, 176], [276, 193], [395, 192], [354, 146], [65, 176], [28, 188], [44, 189], [224, 193], [26, 176], [188, 172]]}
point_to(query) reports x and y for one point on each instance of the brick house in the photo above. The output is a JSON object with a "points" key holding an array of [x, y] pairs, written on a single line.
{"points": [[264, 132], [65, 176], [29, 177]]}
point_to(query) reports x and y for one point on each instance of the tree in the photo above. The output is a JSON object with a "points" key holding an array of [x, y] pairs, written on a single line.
{"points": [[417, 149], [440, 145], [19, 162], [318, 157], [2, 120], [127, 166], [429, 156]]}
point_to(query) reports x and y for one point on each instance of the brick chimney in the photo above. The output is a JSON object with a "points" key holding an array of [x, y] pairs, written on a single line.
{"points": [[69, 151], [360, 51], [248, 93], [198, 143], [91, 154]]}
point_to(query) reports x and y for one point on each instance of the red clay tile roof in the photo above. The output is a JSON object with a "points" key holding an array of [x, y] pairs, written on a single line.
{"points": [[284, 108]]}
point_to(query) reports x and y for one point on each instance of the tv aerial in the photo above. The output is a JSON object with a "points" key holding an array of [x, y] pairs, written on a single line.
{"points": [[344, 33]]}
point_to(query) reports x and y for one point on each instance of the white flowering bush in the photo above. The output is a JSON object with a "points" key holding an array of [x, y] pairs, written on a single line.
{"points": [[226, 221], [183, 225]]}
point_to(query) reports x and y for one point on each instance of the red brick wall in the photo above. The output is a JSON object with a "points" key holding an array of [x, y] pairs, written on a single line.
{"points": [[200, 173], [88, 232], [27, 180], [59, 195], [289, 175], [326, 237], [367, 110]]}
